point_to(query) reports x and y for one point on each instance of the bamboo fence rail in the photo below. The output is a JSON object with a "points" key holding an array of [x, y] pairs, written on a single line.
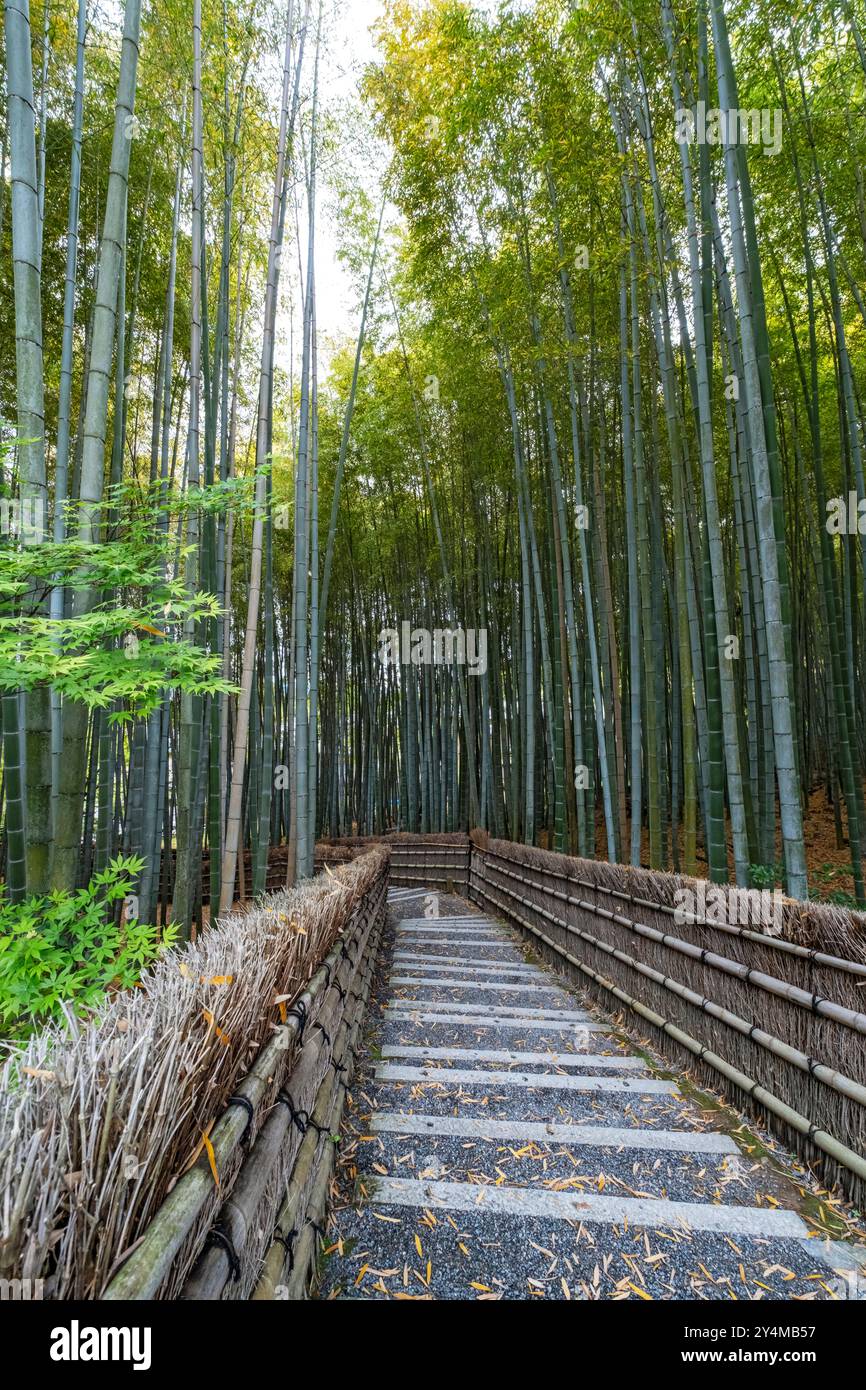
{"points": [[111, 1131], [794, 1045], [231, 1260], [270, 1098], [727, 928], [432, 861], [305, 1195]]}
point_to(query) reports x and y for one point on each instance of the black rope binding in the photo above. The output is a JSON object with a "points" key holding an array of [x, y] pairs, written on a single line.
{"points": [[324, 1032], [299, 1011], [299, 1118], [217, 1236], [288, 1244], [247, 1105]]}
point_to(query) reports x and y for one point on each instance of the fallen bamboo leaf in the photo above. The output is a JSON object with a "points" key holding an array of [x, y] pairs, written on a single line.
{"points": [[641, 1293], [211, 1156]]}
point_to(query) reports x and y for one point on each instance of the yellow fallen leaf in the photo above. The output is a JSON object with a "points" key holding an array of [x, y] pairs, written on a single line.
{"points": [[211, 1156], [641, 1293], [223, 1037]]}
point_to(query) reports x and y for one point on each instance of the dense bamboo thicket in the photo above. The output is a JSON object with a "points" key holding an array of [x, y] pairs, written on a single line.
{"points": [[624, 366], [561, 537]]}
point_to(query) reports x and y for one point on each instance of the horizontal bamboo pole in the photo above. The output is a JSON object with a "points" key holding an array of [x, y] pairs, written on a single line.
{"points": [[851, 967], [402, 867], [398, 854], [854, 1162], [803, 998], [425, 854], [141, 1275], [328, 1110]]}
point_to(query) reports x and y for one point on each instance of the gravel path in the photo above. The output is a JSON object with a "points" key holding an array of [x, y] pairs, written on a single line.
{"points": [[501, 1140]]}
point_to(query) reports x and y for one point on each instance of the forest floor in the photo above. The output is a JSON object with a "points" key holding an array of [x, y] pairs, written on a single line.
{"points": [[827, 853], [505, 1139]]}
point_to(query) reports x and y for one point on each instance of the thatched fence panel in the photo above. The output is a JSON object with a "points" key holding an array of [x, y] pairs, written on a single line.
{"points": [[417, 861], [122, 1137], [779, 1018]]}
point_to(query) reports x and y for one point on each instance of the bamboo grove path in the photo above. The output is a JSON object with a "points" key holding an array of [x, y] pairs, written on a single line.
{"points": [[503, 1140]]}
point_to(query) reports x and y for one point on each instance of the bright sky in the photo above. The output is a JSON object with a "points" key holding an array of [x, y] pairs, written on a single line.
{"points": [[349, 48]]}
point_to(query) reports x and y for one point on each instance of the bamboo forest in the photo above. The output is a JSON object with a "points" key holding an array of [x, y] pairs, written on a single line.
{"points": [[603, 401], [418, 418]]}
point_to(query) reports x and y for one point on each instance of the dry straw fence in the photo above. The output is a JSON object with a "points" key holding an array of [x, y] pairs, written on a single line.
{"points": [[777, 1019], [178, 1145], [432, 861]]}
